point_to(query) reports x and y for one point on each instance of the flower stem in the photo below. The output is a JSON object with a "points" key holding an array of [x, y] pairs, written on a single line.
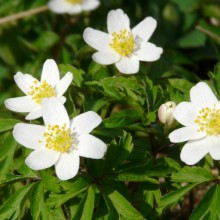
{"points": [[23, 14]]}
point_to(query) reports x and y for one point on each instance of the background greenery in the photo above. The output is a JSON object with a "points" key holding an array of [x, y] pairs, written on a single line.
{"points": [[141, 176]]}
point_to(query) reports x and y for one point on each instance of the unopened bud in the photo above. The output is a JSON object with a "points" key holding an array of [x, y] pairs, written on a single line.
{"points": [[165, 113]]}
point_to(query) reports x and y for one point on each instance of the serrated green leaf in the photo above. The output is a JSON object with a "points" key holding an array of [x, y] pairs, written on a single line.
{"points": [[7, 124], [192, 175], [12, 205], [216, 78], [208, 208], [123, 207], [173, 197], [78, 185]]}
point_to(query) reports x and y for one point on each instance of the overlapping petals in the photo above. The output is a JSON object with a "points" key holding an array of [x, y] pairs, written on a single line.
{"points": [[50, 85], [66, 161]]}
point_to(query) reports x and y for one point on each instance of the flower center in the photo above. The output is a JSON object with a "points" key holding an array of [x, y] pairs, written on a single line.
{"points": [[59, 138], [209, 121], [74, 2], [123, 42], [39, 91]]}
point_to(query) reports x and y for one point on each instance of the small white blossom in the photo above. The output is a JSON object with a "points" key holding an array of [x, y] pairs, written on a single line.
{"points": [[61, 141], [72, 6], [201, 121], [165, 113], [122, 45], [35, 91]]}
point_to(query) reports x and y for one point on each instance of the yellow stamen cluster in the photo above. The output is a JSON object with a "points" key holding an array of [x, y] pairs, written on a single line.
{"points": [[39, 91], [58, 138], [74, 1], [209, 121], [123, 42]]}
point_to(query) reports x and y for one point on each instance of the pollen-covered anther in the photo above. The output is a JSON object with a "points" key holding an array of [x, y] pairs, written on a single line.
{"points": [[209, 121], [59, 138], [74, 1], [123, 42], [39, 91]]}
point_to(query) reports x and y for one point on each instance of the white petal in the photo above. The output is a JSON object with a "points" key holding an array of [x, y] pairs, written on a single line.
{"points": [[214, 147], [42, 158], [186, 113], [21, 104], [91, 147], [106, 58], [59, 6], [74, 9], [85, 122], [117, 20], [63, 84], [193, 151], [88, 5], [36, 113], [24, 81], [128, 65], [185, 134], [54, 113], [29, 135], [62, 99], [97, 39], [50, 72], [149, 52], [67, 166], [145, 28], [202, 95]]}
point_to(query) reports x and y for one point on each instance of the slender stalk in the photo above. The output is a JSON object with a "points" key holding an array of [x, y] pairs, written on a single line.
{"points": [[23, 14]]}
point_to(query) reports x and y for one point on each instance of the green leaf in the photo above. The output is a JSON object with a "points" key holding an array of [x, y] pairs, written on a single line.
{"points": [[86, 206], [7, 124], [78, 185], [208, 208], [174, 197], [123, 207], [13, 204], [77, 73], [216, 78], [192, 175]]}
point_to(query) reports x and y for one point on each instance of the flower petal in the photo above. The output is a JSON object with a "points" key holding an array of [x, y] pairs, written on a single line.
{"points": [[106, 58], [67, 166], [42, 158], [213, 147], [202, 95], [59, 6], [29, 135], [88, 5], [74, 9], [85, 122], [128, 65], [149, 52], [54, 113], [145, 28], [97, 39], [193, 151], [186, 113], [20, 104], [91, 147], [185, 134], [36, 113], [50, 72], [24, 81], [117, 20], [63, 84]]}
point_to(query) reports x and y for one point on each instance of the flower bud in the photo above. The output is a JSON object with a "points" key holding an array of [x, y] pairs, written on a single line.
{"points": [[165, 113]]}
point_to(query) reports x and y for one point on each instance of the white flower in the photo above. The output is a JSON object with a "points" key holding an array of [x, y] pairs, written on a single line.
{"points": [[123, 46], [35, 91], [165, 113], [201, 118], [72, 6], [61, 141]]}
